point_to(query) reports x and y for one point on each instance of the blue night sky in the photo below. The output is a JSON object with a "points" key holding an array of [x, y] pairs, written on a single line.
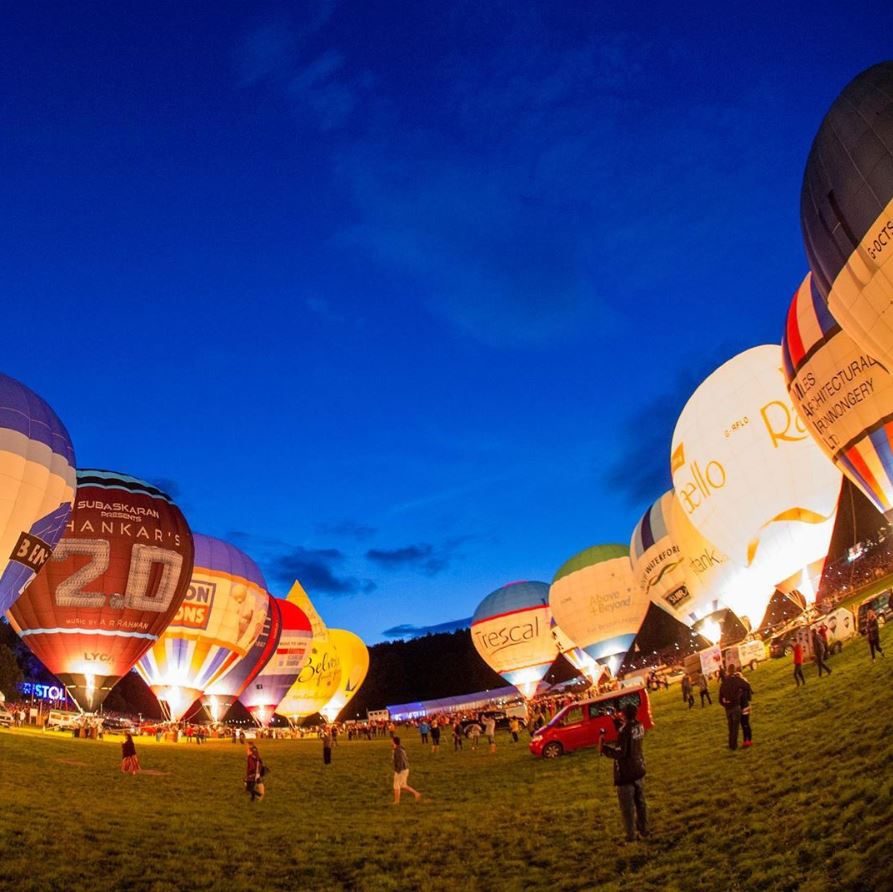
{"points": [[402, 299]]}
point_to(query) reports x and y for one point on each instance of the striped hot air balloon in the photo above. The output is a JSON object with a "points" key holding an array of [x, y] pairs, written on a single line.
{"points": [[115, 580], [262, 696], [37, 484], [843, 395], [512, 631], [221, 617]]}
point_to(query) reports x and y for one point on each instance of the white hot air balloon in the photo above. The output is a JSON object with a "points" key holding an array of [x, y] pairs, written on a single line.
{"points": [[747, 474]]}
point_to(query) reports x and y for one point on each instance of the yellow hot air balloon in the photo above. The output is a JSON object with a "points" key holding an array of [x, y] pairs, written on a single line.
{"points": [[747, 474], [354, 657], [321, 675], [597, 602]]}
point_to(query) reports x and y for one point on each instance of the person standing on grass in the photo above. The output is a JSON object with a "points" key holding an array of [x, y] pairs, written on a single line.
{"points": [[730, 691], [457, 736], [424, 728], [629, 772], [490, 731], [873, 628], [474, 733], [254, 775], [798, 664], [514, 728], [327, 745], [130, 764], [435, 735], [746, 697], [820, 650], [401, 771], [687, 695], [704, 689]]}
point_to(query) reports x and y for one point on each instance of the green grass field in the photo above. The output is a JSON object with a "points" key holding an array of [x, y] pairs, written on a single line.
{"points": [[809, 807]]}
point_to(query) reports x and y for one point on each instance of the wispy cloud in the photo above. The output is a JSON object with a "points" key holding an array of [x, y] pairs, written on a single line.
{"points": [[318, 570], [349, 529], [423, 557], [409, 631]]}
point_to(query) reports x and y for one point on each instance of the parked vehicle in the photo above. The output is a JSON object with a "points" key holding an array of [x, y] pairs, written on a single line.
{"points": [[6, 717], [705, 662], [62, 721], [745, 654], [116, 725], [581, 724], [840, 625], [782, 645], [881, 604]]}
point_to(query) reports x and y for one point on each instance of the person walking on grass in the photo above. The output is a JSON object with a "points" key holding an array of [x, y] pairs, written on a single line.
{"points": [[798, 663], [820, 650], [629, 772], [687, 694], [401, 771], [514, 728], [873, 630], [254, 774], [704, 689], [746, 697], [130, 764]]}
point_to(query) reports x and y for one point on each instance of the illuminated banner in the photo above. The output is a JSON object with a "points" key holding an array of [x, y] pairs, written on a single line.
{"points": [[42, 691]]}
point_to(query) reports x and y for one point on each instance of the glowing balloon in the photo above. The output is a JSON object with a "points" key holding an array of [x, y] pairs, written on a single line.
{"points": [[271, 684], [354, 656], [221, 617], [114, 582], [37, 483], [512, 631], [842, 394], [715, 582], [220, 695], [321, 675], [747, 474], [846, 210], [597, 602]]}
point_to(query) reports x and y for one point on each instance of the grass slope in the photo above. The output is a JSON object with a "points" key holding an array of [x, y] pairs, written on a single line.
{"points": [[809, 807]]}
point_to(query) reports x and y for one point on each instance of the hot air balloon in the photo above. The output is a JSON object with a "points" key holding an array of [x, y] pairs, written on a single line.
{"points": [[597, 602], [262, 695], [715, 582], [846, 210], [37, 484], [579, 659], [221, 617], [114, 582], [319, 679], [842, 394], [747, 474], [220, 695], [512, 631], [354, 657]]}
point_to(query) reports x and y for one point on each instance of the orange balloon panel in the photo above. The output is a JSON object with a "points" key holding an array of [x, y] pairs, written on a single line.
{"points": [[114, 582]]}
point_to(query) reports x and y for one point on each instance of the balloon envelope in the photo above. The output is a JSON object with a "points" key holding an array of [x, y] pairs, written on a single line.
{"points": [[597, 602], [220, 695], [846, 210], [319, 679], [37, 484], [115, 580], [747, 474], [262, 695], [221, 617], [354, 656], [843, 395], [512, 631]]}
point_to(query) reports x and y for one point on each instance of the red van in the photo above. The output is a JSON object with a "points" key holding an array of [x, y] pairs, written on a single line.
{"points": [[580, 724]]}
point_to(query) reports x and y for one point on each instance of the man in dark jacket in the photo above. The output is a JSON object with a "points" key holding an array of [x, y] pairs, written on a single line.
{"points": [[731, 690], [629, 772]]}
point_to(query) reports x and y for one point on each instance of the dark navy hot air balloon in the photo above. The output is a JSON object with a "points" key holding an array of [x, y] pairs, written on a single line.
{"points": [[846, 210]]}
